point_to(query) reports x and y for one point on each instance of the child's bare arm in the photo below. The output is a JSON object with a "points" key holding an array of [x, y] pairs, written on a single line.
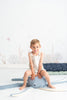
{"points": [[31, 63], [40, 62]]}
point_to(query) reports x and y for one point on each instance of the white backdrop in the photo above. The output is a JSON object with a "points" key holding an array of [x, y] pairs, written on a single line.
{"points": [[23, 20]]}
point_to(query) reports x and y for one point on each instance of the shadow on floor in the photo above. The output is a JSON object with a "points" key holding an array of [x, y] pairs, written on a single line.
{"points": [[20, 84], [10, 86]]}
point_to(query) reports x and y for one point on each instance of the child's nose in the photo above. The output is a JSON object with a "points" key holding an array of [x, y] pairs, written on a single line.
{"points": [[35, 48]]}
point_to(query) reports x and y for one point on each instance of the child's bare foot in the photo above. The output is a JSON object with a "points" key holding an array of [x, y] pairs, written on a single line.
{"points": [[51, 86], [22, 87]]}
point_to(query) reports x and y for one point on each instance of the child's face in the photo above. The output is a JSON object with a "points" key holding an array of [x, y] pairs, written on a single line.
{"points": [[35, 48]]}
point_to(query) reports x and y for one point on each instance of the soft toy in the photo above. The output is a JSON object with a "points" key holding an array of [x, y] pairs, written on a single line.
{"points": [[37, 82]]}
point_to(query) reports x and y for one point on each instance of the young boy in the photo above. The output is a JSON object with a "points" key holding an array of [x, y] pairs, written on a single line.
{"points": [[35, 63]]}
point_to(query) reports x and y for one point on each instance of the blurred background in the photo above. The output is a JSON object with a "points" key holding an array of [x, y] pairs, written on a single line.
{"points": [[23, 20]]}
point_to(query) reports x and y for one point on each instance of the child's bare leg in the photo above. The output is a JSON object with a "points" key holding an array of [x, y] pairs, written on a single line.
{"points": [[26, 74], [45, 74]]}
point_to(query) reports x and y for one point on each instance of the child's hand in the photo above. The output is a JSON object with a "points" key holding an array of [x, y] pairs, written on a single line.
{"points": [[33, 76], [39, 76]]}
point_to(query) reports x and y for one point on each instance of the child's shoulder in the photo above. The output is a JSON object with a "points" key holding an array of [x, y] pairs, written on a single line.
{"points": [[29, 53], [41, 53]]}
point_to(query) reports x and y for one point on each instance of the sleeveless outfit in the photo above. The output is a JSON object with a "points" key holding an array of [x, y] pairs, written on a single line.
{"points": [[36, 60]]}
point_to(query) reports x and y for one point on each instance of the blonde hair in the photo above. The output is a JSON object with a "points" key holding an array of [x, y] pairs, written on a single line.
{"points": [[34, 41]]}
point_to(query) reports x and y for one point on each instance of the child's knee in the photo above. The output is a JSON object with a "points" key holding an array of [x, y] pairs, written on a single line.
{"points": [[27, 73], [44, 73]]}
